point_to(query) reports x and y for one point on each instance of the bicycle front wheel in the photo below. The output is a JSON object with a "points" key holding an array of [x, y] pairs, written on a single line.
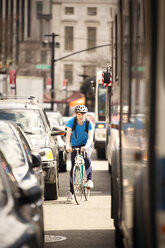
{"points": [[77, 184]]}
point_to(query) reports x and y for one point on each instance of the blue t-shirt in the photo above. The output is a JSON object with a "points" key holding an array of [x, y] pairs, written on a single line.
{"points": [[82, 135]]}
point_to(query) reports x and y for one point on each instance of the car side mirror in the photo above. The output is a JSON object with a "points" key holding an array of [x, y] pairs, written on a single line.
{"points": [[31, 195], [36, 160], [55, 133], [58, 131]]}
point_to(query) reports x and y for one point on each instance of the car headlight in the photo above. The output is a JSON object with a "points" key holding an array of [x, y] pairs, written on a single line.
{"points": [[46, 154]]}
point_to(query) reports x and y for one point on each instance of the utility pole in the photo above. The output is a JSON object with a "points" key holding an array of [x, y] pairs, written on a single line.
{"points": [[53, 35]]}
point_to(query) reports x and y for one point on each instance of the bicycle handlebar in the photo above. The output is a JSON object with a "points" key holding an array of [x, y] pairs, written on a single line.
{"points": [[77, 149]]}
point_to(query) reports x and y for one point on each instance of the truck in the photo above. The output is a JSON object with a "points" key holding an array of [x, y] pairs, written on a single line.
{"points": [[28, 86]]}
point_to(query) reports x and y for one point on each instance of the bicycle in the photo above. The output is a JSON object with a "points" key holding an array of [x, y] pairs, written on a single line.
{"points": [[79, 177]]}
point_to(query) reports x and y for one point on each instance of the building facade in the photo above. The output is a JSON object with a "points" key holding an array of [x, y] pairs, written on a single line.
{"points": [[81, 25], [23, 24]]}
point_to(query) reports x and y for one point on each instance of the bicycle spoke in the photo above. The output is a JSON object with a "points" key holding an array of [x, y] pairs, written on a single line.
{"points": [[77, 185]]}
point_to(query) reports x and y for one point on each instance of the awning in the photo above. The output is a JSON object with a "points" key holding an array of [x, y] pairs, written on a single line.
{"points": [[75, 99]]}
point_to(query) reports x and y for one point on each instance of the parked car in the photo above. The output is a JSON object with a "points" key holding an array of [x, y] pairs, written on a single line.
{"points": [[19, 168], [31, 117], [61, 143], [15, 230]]}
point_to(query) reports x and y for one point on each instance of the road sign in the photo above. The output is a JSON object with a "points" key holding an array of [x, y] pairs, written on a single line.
{"points": [[42, 67], [12, 76]]}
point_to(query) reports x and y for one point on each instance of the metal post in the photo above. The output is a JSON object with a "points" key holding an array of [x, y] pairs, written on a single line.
{"points": [[52, 72], [53, 35]]}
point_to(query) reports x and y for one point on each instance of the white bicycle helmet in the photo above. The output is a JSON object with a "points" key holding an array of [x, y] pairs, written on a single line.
{"points": [[81, 109]]}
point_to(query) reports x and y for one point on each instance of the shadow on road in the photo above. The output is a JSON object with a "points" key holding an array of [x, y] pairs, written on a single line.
{"points": [[79, 239]]}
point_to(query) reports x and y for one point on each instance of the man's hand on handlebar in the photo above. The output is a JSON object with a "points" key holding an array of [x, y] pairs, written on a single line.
{"points": [[69, 149], [83, 149]]}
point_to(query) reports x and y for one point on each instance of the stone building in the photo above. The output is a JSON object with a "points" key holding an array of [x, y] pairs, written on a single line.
{"points": [[80, 24], [23, 24]]}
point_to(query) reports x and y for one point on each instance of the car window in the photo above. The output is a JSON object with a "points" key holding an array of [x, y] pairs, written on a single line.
{"points": [[30, 120], [10, 147], [3, 195], [46, 118], [26, 147]]}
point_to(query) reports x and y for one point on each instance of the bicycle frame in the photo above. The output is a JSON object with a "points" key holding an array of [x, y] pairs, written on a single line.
{"points": [[79, 184]]}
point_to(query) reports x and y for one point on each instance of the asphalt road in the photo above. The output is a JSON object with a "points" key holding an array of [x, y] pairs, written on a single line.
{"points": [[81, 226]]}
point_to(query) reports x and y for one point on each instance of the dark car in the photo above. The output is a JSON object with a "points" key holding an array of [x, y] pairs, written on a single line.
{"points": [[15, 230], [61, 142], [31, 117], [19, 168]]}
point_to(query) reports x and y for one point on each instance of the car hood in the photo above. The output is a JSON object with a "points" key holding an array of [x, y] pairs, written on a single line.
{"points": [[38, 140]]}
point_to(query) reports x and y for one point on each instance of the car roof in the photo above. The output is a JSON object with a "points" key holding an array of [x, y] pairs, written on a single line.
{"points": [[20, 104]]}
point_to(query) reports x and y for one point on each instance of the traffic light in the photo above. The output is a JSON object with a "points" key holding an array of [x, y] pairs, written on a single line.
{"points": [[106, 78]]}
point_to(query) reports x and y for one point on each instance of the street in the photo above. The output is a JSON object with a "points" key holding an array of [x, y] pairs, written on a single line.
{"points": [[85, 225]]}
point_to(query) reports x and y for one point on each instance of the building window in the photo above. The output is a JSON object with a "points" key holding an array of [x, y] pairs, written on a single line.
{"points": [[89, 70], [68, 73], [23, 20], [68, 38], [28, 56], [43, 57], [110, 12], [69, 10], [39, 8], [92, 11], [29, 18], [91, 37]]}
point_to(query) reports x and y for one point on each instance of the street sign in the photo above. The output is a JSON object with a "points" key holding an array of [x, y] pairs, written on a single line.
{"points": [[12, 76], [43, 67]]}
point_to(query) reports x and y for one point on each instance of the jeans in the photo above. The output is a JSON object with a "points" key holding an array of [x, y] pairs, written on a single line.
{"points": [[88, 166]]}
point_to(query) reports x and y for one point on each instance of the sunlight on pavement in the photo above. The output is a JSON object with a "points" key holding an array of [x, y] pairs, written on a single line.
{"points": [[95, 165], [73, 217]]}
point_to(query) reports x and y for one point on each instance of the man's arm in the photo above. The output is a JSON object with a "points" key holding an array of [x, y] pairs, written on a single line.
{"points": [[89, 141], [67, 140]]}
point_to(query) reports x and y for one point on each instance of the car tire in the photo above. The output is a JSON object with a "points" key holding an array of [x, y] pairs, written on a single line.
{"points": [[118, 238], [62, 162], [101, 153], [63, 167], [51, 191]]}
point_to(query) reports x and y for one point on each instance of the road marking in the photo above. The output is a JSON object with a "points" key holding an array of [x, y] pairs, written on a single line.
{"points": [[54, 238]]}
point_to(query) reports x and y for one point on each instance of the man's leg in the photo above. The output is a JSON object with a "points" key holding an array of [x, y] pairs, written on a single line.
{"points": [[88, 165], [73, 154]]}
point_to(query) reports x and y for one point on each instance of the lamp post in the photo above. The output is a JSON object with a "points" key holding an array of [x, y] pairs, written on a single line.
{"points": [[53, 35]]}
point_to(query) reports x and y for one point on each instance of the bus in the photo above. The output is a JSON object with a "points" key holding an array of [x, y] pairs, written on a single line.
{"points": [[135, 117], [100, 129]]}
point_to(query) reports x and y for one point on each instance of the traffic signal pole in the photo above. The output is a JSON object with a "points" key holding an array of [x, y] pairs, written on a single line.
{"points": [[53, 35]]}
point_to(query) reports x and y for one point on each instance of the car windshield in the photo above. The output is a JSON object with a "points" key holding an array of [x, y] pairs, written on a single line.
{"points": [[29, 120], [10, 147]]}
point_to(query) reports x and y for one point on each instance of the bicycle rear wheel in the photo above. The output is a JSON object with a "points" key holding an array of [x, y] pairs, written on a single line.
{"points": [[86, 190], [77, 184]]}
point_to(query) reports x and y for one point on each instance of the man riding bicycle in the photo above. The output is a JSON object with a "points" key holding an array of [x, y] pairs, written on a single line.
{"points": [[80, 134]]}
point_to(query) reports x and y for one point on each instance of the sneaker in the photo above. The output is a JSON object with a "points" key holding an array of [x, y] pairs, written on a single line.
{"points": [[90, 184], [70, 197]]}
